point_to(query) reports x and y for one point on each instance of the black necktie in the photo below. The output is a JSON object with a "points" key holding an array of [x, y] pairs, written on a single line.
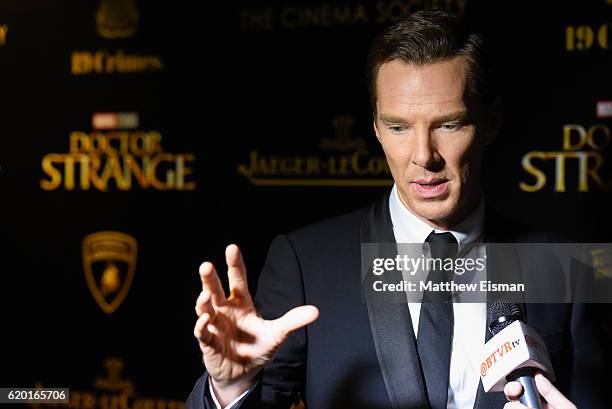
{"points": [[435, 335]]}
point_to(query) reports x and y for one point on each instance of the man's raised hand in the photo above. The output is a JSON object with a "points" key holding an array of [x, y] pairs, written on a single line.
{"points": [[236, 342]]}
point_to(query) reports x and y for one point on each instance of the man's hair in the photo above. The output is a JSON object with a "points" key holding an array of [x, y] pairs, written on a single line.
{"points": [[428, 37]]}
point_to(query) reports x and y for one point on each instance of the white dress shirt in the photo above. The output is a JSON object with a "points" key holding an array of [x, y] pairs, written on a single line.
{"points": [[469, 318], [232, 403]]}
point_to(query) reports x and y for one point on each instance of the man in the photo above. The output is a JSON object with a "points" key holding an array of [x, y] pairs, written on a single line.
{"points": [[433, 115]]}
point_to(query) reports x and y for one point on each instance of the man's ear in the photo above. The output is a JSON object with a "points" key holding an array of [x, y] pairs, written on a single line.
{"points": [[494, 122]]}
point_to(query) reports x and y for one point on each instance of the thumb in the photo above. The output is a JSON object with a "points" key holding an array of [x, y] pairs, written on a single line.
{"points": [[513, 390], [296, 318]]}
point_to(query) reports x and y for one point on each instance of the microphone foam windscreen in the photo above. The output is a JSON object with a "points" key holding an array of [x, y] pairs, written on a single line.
{"points": [[500, 314]]}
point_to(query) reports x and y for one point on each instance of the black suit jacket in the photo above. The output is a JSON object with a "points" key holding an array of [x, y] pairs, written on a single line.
{"points": [[363, 355]]}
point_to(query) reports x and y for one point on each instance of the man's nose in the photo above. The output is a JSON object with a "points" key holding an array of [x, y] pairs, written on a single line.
{"points": [[424, 153]]}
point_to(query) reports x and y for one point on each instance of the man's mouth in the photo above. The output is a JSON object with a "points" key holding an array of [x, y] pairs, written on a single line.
{"points": [[430, 188], [430, 183]]}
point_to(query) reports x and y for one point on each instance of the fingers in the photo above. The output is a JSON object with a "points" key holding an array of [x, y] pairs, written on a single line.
{"points": [[236, 271], [513, 390], [200, 331], [296, 319], [204, 304], [552, 395], [211, 283]]}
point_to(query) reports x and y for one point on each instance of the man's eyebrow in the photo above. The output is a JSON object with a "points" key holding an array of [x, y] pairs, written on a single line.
{"points": [[453, 116], [391, 119]]}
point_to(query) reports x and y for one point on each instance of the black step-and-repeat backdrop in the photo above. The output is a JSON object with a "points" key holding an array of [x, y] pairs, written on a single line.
{"points": [[138, 138]]}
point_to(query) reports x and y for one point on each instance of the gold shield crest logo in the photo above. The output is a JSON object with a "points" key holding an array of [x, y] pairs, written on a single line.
{"points": [[342, 140], [117, 18], [109, 261]]}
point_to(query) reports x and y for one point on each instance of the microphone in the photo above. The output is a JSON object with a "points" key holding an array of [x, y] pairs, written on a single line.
{"points": [[514, 353]]}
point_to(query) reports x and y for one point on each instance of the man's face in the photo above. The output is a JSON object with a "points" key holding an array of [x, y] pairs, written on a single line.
{"points": [[432, 137]]}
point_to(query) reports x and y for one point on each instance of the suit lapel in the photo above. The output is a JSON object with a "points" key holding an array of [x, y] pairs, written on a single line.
{"points": [[391, 325]]}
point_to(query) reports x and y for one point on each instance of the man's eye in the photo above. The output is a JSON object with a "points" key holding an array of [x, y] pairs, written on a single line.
{"points": [[451, 127], [397, 129]]}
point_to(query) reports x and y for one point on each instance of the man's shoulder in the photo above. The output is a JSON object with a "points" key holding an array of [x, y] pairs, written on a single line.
{"points": [[500, 228], [343, 224]]}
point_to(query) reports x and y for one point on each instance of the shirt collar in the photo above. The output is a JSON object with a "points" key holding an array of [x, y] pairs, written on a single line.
{"points": [[408, 228]]}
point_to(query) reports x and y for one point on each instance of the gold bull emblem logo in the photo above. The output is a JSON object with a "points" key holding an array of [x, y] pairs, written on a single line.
{"points": [[109, 262]]}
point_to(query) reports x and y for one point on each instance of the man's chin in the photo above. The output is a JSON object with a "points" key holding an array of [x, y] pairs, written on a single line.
{"points": [[435, 212]]}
